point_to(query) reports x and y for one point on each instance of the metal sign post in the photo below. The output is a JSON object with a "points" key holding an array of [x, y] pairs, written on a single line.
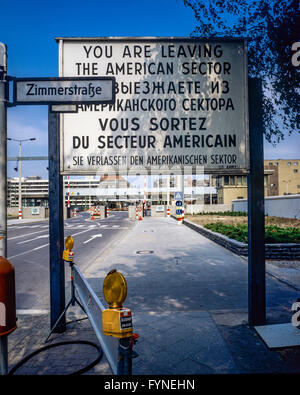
{"points": [[3, 151], [56, 227], [3, 186], [256, 219]]}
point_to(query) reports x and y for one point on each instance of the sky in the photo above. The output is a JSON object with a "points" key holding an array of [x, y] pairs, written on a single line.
{"points": [[29, 28]]}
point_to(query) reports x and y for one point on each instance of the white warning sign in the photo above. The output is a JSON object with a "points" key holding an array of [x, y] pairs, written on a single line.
{"points": [[179, 103]]}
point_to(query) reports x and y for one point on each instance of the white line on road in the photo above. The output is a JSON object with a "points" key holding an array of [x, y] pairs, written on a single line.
{"points": [[92, 238], [32, 312], [27, 252], [36, 238], [28, 234], [79, 233], [37, 248]]}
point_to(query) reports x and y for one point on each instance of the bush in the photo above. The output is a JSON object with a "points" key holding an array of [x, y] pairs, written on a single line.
{"points": [[226, 213], [273, 234]]}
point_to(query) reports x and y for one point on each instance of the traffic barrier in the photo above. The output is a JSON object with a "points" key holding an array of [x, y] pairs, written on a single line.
{"points": [[92, 216], [111, 346], [168, 212], [7, 297], [182, 216], [20, 214], [107, 211], [140, 213], [8, 317]]}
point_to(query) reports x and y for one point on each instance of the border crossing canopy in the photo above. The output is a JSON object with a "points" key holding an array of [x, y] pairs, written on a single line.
{"points": [[180, 103]]}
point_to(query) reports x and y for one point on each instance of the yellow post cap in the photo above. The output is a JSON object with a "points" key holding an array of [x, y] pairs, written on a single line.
{"points": [[115, 289], [69, 242]]}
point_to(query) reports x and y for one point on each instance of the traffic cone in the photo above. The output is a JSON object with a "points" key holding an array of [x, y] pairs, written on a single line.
{"points": [[92, 216]]}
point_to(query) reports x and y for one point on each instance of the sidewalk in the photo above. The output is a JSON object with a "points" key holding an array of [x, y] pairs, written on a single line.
{"points": [[188, 297], [18, 221]]}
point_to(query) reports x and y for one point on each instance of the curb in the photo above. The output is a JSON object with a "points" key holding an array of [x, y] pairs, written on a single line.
{"points": [[287, 251]]}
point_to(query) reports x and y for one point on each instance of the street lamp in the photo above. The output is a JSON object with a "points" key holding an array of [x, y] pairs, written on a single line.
{"points": [[20, 170]]}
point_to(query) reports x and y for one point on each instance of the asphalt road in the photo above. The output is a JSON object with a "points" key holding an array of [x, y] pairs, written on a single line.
{"points": [[28, 251]]}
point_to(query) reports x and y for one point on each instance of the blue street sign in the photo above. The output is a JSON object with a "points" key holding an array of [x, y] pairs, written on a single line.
{"points": [[178, 196], [178, 212], [179, 203]]}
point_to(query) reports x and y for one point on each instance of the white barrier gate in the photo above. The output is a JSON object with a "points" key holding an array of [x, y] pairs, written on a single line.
{"points": [[93, 308]]}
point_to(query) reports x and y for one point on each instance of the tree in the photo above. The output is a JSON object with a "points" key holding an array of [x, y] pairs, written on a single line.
{"points": [[271, 29]]}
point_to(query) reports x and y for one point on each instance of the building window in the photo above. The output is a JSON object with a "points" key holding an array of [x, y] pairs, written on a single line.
{"points": [[270, 163], [239, 180], [295, 170], [226, 180], [289, 163], [232, 180], [295, 163]]}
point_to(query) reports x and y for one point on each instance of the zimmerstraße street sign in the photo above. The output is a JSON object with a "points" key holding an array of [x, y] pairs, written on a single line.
{"points": [[64, 90]]}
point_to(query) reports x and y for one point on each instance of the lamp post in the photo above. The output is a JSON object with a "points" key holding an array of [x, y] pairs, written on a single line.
{"points": [[20, 170]]}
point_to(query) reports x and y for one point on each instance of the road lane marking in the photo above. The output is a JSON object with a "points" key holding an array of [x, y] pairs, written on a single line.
{"points": [[27, 252], [28, 234], [36, 238], [92, 238], [31, 311], [37, 248]]}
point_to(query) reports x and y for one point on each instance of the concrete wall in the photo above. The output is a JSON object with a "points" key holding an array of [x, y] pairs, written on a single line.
{"points": [[27, 212], [131, 212], [43, 212], [155, 213], [275, 206], [206, 208]]}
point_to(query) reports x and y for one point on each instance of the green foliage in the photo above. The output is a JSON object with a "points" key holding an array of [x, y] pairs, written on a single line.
{"points": [[226, 213], [273, 233], [271, 26]]}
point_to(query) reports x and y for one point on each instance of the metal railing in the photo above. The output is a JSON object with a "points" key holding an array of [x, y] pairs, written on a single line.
{"points": [[93, 308]]}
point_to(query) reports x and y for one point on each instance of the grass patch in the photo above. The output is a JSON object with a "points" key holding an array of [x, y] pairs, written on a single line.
{"points": [[273, 234]]}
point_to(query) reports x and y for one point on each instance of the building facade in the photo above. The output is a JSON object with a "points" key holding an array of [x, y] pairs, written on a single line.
{"points": [[281, 177]]}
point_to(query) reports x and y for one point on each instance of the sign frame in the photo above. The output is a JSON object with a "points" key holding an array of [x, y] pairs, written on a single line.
{"points": [[242, 168], [62, 79]]}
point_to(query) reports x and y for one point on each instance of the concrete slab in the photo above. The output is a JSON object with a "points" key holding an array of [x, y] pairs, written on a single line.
{"points": [[180, 343], [279, 335]]}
